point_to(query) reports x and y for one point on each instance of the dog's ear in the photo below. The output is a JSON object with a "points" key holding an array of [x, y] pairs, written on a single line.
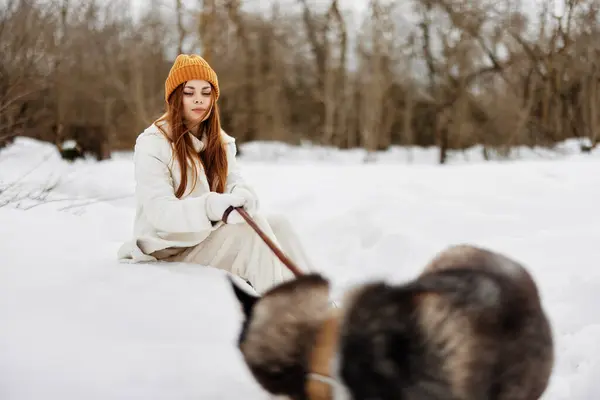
{"points": [[246, 299]]}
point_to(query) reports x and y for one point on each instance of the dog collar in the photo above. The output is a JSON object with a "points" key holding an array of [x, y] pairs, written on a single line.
{"points": [[321, 383]]}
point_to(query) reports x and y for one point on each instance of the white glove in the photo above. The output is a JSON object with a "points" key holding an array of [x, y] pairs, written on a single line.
{"points": [[251, 202], [218, 203]]}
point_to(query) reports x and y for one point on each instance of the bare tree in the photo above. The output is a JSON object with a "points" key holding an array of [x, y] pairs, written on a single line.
{"points": [[179, 11], [23, 51]]}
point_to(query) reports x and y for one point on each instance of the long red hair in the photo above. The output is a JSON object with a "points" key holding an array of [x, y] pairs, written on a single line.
{"points": [[213, 158]]}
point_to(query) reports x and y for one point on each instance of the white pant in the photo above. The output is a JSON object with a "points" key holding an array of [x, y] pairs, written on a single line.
{"points": [[238, 249]]}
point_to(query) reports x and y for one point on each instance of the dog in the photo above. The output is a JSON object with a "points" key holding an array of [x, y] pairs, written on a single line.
{"points": [[470, 326]]}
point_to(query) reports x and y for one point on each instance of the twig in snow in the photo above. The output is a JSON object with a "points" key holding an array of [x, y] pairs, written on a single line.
{"points": [[93, 201], [12, 184]]}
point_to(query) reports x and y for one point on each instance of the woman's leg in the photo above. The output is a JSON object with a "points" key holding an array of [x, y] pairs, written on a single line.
{"points": [[237, 248], [290, 242]]}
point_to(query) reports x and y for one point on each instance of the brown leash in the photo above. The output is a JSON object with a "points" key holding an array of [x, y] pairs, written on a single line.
{"points": [[284, 259]]}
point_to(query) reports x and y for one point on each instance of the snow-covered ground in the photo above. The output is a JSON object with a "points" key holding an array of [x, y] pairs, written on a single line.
{"points": [[76, 324]]}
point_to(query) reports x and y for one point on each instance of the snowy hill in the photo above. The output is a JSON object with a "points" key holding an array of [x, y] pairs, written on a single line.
{"points": [[78, 325]]}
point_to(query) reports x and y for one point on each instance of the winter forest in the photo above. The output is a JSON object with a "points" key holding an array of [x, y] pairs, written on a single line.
{"points": [[364, 74]]}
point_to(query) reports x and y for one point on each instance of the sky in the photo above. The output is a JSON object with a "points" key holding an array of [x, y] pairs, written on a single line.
{"points": [[354, 5]]}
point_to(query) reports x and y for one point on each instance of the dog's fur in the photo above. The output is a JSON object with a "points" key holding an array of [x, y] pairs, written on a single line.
{"points": [[470, 326]]}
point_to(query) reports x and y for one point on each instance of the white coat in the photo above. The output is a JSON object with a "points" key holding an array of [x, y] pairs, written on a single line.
{"points": [[178, 229]]}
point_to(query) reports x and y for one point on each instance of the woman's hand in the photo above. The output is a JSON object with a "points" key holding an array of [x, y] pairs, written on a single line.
{"points": [[218, 203], [250, 203]]}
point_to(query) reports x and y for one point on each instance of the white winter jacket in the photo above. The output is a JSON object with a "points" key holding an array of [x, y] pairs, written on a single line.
{"points": [[162, 220]]}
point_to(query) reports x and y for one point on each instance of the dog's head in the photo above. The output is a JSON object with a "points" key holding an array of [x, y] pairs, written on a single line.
{"points": [[279, 329]]}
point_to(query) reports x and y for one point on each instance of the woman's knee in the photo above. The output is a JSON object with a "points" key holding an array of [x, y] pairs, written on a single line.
{"points": [[279, 223], [238, 229]]}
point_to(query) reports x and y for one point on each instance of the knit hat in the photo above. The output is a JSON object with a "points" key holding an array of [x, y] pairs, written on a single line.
{"points": [[188, 67]]}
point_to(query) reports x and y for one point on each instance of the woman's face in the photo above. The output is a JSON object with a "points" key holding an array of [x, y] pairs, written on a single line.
{"points": [[196, 101]]}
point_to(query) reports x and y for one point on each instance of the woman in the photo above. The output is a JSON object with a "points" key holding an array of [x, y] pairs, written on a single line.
{"points": [[186, 177]]}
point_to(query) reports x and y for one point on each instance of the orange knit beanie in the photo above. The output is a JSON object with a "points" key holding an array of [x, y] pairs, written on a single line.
{"points": [[186, 68]]}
